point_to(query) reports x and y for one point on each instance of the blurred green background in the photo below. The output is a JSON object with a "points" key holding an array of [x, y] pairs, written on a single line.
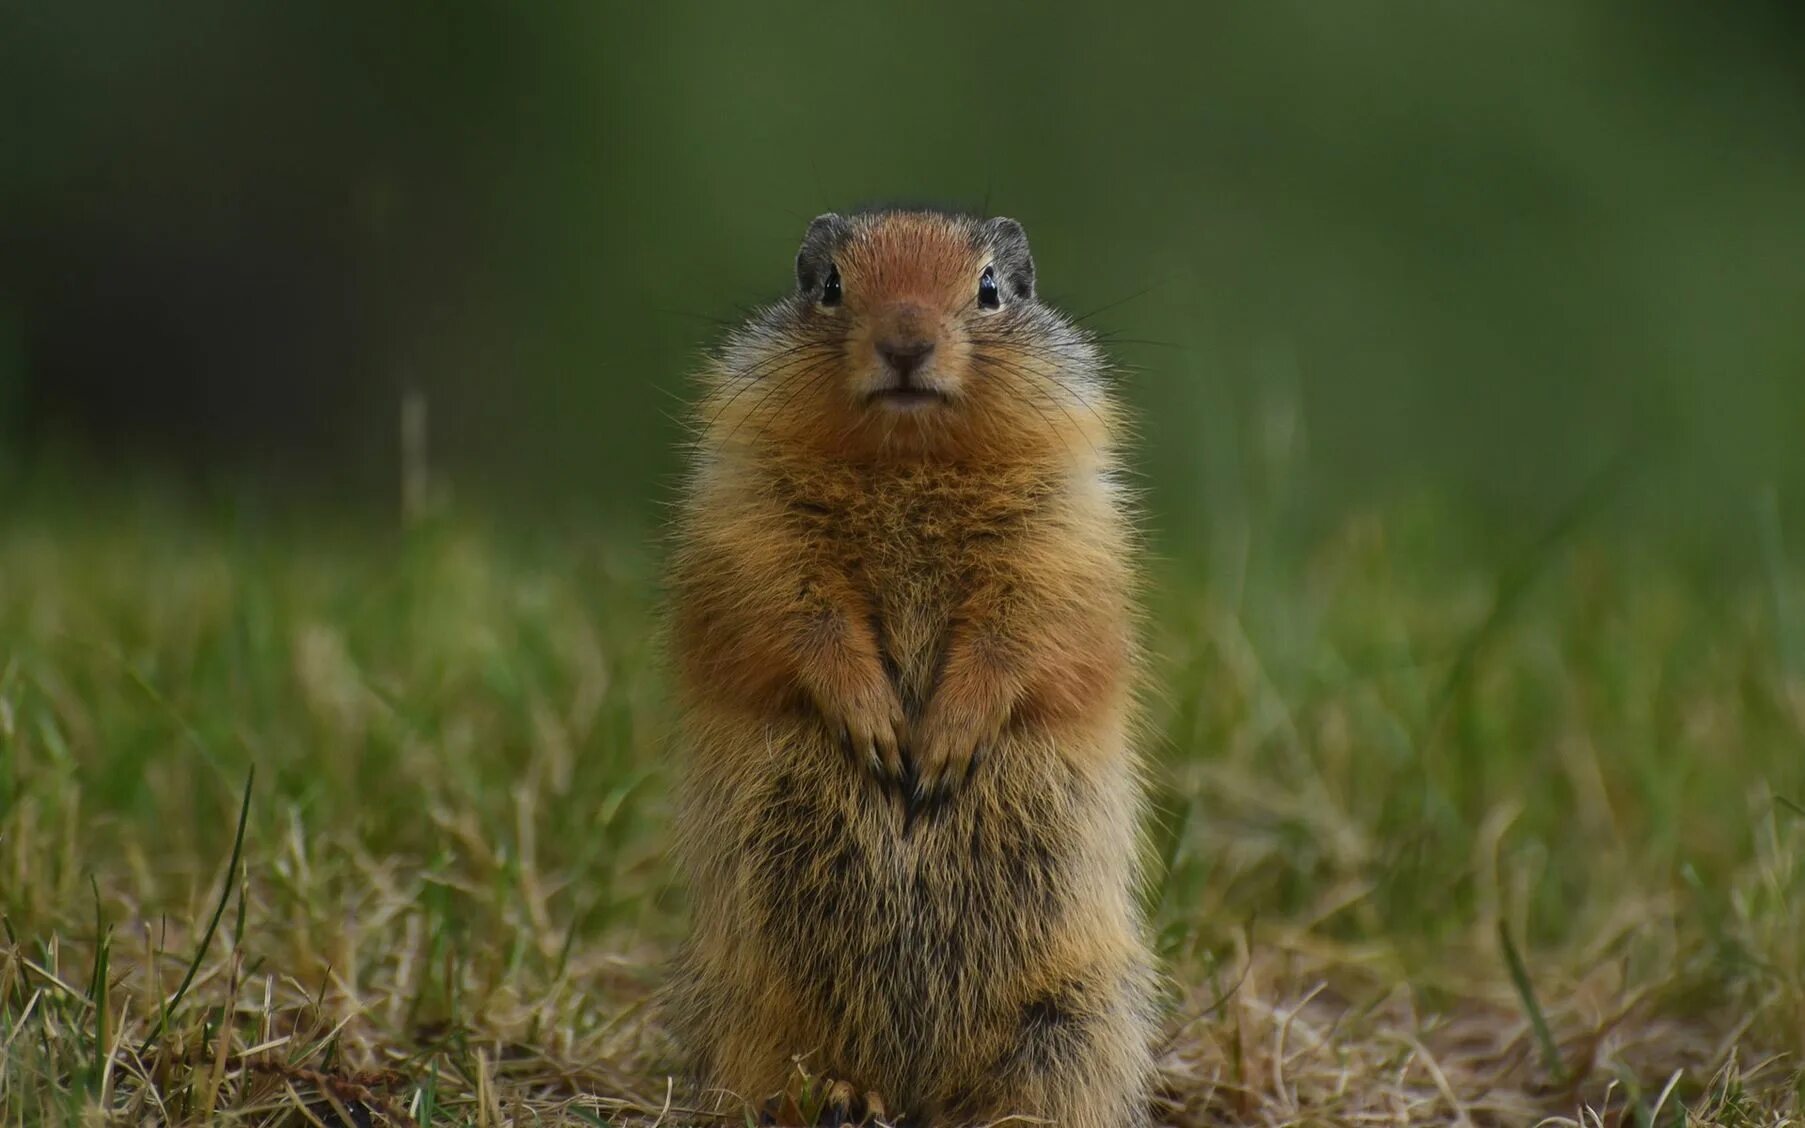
{"points": [[1347, 252]]}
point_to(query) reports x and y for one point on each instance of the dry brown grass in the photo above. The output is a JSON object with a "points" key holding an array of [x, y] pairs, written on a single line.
{"points": [[453, 900]]}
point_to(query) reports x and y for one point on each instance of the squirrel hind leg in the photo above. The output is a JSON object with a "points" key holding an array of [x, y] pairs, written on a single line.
{"points": [[846, 1107], [1081, 1060], [825, 1103]]}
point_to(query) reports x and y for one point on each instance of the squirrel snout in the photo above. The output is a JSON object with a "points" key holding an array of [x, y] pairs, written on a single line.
{"points": [[903, 355]]}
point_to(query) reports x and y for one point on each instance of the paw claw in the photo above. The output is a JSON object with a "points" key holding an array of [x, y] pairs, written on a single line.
{"points": [[842, 1107], [946, 765], [871, 729]]}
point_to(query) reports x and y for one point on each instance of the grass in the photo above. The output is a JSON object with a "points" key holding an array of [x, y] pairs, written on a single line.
{"points": [[309, 825]]}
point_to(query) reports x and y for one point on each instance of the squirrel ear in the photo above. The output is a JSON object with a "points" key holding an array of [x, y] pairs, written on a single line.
{"points": [[1009, 243], [824, 233]]}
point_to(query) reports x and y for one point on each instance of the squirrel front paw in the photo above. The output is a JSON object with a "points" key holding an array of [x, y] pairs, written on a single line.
{"points": [[871, 726], [949, 745]]}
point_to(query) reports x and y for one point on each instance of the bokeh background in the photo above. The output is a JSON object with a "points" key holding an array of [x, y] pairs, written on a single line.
{"points": [[1467, 343], [1500, 253]]}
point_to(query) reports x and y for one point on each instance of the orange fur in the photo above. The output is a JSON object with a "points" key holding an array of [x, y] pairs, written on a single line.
{"points": [[906, 649]]}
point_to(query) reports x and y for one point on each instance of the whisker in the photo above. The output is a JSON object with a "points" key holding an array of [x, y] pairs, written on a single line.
{"points": [[1115, 339], [792, 378], [693, 316], [768, 381], [806, 382], [765, 366], [1141, 293], [1027, 374]]}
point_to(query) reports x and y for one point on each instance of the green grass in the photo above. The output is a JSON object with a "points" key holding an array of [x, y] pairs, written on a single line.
{"points": [[1441, 842]]}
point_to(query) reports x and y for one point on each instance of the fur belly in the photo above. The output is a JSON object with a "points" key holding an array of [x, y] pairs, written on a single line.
{"points": [[912, 938]]}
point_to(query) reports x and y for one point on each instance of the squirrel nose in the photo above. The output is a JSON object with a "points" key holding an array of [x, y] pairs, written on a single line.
{"points": [[903, 357]]}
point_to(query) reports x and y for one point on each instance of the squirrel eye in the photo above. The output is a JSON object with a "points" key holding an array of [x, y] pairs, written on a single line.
{"points": [[830, 286], [988, 295]]}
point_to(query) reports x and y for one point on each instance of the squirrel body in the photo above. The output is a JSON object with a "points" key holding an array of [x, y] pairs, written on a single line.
{"points": [[903, 625]]}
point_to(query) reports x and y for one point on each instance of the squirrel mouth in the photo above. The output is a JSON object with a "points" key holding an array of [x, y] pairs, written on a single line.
{"points": [[910, 398]]}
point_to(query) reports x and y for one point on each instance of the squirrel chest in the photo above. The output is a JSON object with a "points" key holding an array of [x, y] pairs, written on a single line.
{"points": [[916, 542]]}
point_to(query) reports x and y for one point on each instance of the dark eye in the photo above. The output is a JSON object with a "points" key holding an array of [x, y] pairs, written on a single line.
{"points": [[988, 295], [830, 286]]}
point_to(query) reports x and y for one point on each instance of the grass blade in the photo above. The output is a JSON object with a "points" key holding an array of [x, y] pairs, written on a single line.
{"points": [[1519, 977], [227, 884], [97, 987]]}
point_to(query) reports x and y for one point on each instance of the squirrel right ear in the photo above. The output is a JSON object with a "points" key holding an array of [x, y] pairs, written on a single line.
{"points": [[824, 233], [1010, 245]]}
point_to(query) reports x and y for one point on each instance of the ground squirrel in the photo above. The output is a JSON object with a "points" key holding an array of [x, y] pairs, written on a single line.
{"points": [[902, 618]]}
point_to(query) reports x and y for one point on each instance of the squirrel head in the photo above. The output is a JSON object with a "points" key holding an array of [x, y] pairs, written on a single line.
{"points": [[913, 334]]}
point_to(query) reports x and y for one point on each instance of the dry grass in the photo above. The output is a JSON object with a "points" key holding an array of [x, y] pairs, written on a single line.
{"points": [[1382, 771]]}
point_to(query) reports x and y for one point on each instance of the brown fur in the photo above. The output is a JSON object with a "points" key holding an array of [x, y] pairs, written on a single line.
{"points": [[905, 644]]}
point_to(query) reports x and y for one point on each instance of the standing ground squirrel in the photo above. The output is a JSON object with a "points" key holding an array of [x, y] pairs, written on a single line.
{"points": [[903, 621]]}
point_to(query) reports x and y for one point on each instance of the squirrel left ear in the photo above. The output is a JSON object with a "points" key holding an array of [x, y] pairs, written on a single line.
{"points": [[825, 232], [1009, 243]]}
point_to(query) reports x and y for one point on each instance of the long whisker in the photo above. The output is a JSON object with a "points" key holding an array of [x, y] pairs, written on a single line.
{"points": [[1034, 399], [691, 315], [805, 385], [1047, 376], [1118, 339], [765, 366], [798, 385], [771, 379], [1028, 375], [786, 380], [1107, 306], [753, 370]]}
